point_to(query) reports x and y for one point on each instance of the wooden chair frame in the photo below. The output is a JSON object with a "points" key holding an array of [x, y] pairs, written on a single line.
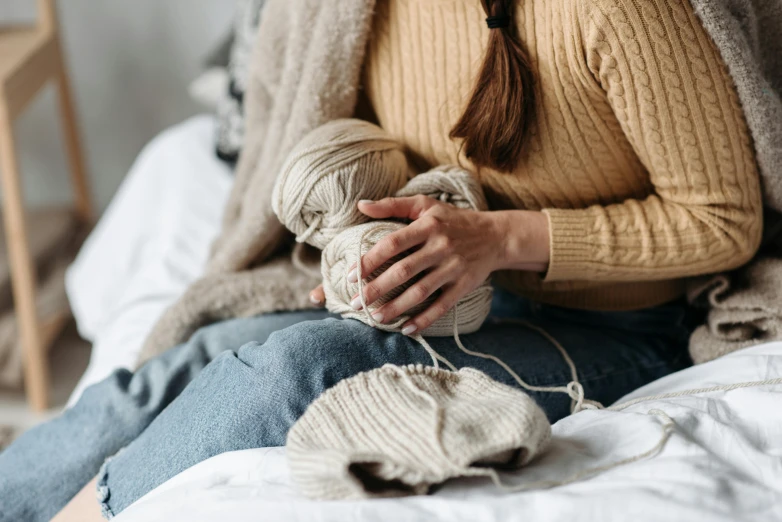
{"points": [[29, 58]]}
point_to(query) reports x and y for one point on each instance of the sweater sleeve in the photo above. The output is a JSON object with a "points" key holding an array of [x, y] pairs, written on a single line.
{"points": [[676, 103]]}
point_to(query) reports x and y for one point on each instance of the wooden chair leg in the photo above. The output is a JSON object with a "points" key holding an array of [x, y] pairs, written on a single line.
{"points": [[81, 189], [22, 268]]}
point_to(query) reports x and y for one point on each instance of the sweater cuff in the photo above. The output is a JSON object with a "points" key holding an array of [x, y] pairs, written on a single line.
{"points": [[573, 252]]}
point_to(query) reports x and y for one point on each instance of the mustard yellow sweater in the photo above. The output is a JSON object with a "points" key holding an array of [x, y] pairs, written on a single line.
{"points": [[638, 154]]}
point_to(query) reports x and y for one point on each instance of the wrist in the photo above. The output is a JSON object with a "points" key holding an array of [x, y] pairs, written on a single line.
{"points": [[524, 236]]}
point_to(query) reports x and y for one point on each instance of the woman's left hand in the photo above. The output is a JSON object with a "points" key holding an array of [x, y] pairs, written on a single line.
{"points": [[458, 249]]}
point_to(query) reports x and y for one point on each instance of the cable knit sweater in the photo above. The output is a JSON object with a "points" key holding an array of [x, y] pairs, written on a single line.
{"points": [[639, 152]]}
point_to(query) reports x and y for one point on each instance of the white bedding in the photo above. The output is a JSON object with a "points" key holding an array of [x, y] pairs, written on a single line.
{"points": [[723, 463], [150, 244]]}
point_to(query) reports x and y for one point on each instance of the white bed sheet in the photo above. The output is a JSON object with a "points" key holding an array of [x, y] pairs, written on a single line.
{"points": [[150, 244], [723, 463]]}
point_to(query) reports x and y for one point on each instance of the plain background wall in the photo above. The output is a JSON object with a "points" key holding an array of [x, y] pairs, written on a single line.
{"points": [[130, 63]]}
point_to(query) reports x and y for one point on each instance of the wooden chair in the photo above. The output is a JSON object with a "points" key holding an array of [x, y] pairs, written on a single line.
{"points": [[29, 58]]}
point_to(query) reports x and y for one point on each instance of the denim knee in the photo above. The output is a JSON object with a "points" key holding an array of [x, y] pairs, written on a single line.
{"points": [[318, 354]]}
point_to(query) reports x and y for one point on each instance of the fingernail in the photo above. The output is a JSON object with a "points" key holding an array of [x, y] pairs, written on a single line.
{"points": [[378, 317], [367, 201], [314, 300], [356, 303], [353, 276], [410, 328]]}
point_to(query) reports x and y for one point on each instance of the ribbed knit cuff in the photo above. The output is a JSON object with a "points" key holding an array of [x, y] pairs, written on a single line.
{"points": [[573, 252]]}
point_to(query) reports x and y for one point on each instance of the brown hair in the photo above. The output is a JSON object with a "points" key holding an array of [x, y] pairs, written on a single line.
{"points": [[496, 119]]}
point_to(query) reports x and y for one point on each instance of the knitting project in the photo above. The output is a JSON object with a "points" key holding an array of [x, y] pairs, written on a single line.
{"points": [[456, 424]]}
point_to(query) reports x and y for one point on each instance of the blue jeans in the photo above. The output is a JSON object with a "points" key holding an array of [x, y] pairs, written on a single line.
{"points": [[242, 383]]}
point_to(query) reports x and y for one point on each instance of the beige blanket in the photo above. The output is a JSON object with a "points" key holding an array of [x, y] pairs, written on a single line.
{"points": [[305, 72]]}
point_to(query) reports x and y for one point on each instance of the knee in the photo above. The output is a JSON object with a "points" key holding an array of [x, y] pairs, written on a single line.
{"points": [[313, 340], [319, 352], [214, 339]]}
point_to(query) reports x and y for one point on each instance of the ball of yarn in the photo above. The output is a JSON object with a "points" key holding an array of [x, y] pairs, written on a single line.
{"points": [[329, 171], [346, 249], [449, 184]]}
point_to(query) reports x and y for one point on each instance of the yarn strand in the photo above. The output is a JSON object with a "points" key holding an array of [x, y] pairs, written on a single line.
{"points": [[573, 389], [667, 427], [696, 391]]}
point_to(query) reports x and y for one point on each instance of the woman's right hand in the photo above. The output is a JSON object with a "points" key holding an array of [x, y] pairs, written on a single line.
{"points": [[317, 296]]}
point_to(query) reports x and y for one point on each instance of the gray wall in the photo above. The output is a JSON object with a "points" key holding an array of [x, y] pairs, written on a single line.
{"points": [[130, 63]]}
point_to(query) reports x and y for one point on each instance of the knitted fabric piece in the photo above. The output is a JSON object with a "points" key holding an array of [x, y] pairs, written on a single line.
{"points": [[397, 431]]}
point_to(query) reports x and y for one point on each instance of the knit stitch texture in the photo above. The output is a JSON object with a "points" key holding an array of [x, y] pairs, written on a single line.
{"points": [[638, 152], [397, 431]]}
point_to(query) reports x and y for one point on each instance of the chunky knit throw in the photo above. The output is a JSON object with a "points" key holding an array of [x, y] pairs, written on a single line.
{"points": [[419, 426], [306, 73]]}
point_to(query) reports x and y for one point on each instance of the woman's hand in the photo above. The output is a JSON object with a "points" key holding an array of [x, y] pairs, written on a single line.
{"points": [[458, 249]]}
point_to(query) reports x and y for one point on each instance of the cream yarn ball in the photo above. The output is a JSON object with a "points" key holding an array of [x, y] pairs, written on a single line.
{"points": [[345, 250], [449, 184], [329, 171]]}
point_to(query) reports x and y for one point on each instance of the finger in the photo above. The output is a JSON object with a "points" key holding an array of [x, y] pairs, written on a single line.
{"points": [[400, 273], [442, 305], [416, 294], [392, 245], [406, 208], [318, 296]]}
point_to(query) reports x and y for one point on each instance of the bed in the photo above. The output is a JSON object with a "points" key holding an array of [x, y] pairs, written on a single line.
{"points": [[150, 244], [722, 463]]}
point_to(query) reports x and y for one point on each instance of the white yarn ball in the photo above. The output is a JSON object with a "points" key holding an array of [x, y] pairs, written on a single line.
{"points": [[329, 171]]}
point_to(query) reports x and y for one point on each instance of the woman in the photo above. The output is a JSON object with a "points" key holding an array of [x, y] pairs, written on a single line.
{"points": [[609, 140]]}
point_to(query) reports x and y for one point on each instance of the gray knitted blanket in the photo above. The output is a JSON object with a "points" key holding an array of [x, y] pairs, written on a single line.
{"points": [[305, 72], [745, 307]]}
